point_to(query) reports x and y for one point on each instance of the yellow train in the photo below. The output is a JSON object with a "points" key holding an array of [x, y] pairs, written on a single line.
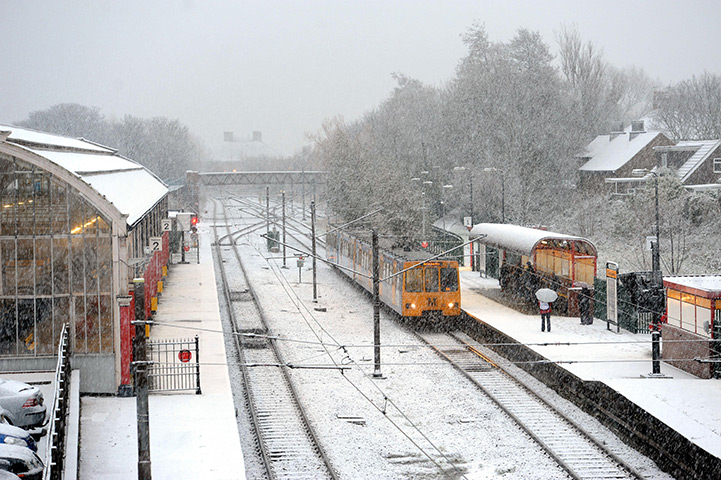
{"points": [[410, 284]]}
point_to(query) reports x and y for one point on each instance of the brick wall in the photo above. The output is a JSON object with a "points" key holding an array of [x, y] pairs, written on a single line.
{"points": [[686, 350]]}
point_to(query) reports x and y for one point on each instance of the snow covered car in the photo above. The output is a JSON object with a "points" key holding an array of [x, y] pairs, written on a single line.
{"points": [[21, 461], [24, 404], [10, 435]]}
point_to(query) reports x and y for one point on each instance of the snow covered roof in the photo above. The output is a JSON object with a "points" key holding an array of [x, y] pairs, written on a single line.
{"points": [[702, 150], [608, 153], [707, 285], [131, 188], [517, 238]]}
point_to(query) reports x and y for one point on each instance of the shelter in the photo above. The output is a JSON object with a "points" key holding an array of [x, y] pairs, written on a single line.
{"points": [[693, 310], [75, 222], [562, 261]]}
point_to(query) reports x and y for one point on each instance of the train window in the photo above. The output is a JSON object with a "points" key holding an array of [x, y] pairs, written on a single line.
{"points": [[432, 279], [414, 280], [449, 280]]}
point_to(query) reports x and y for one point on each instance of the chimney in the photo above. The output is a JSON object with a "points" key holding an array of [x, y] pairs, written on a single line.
{"points": [[636, 129], [257, 136], [616, 130], [227, 136]]}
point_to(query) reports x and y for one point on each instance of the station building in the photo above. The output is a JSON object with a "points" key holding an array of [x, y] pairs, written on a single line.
{"points": [[693, 310], [75, 222]]}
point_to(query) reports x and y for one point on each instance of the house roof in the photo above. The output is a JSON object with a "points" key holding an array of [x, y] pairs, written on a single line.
{"points": [[608, 153], [702, 150], [131, 188]]}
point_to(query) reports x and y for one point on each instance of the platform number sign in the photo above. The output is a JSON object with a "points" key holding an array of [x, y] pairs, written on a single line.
{"points": [[166, 224], [156, 244]]}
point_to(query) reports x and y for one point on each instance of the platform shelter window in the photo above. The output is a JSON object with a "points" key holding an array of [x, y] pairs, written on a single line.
{"points": [[55, 265]]}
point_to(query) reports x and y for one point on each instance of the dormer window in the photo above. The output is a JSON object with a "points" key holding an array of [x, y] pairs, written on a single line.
{"points": [[717, 165]]}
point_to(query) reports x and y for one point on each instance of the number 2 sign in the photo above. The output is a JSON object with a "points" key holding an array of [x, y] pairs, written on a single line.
{"points": [[156, 244]]}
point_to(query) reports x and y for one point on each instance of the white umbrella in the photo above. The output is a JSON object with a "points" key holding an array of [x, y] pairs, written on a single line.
{"points": [[546, 295]]}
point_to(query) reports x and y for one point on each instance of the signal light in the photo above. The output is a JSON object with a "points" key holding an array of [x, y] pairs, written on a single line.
{"points": [[194, 220]]}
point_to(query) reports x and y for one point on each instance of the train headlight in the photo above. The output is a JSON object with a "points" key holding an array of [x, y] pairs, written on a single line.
{"points": [[451, 305], [413, 305]]}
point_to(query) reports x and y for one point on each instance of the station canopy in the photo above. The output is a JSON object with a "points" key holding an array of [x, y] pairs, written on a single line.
{"points": [[131, 188], [524, 239]]}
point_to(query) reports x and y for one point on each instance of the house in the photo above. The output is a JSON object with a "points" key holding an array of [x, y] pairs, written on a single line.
{"points": [[697, 163], [615, 155]]}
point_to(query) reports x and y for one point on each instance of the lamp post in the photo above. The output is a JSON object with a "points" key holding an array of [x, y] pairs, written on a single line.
{"points": [[657, 292], [423, 194], [503, 190], [443, 203], [470, 189]]}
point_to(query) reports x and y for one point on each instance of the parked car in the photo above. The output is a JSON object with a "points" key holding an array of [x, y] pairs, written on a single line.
{"points": [[11, 435], [5, 475], [24, 404], [21, 461]]}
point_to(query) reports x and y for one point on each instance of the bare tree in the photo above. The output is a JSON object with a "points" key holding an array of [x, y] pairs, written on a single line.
{"points": [[691, 109]]}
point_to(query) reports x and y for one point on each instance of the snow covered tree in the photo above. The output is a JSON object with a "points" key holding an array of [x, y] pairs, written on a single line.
{"points": [[691, 109]]}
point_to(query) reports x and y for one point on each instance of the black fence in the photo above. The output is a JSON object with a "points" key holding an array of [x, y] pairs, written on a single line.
{"points": [[629, 316], [174, 365], [55, 452]]}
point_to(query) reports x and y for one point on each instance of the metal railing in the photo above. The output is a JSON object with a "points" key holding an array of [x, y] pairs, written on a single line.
{"points": [[172, 366], [55, 451]]}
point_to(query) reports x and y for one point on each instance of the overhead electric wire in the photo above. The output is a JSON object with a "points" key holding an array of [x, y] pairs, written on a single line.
{"points": [[283, 282]]}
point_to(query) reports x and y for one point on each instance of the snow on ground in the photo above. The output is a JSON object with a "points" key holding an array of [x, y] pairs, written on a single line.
{"points": [[621, 360], [421, 403], [191, 436], [371, 428]]}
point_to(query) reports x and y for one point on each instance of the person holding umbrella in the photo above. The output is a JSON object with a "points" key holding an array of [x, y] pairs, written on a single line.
{"points": [[545, 297]]}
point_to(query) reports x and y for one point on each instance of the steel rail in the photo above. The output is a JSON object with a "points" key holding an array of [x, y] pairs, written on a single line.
{"points": [[616, 467], [295, 408]]}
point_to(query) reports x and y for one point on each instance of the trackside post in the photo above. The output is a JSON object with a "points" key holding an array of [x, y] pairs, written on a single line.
{"points": [[141, 382], [376, 308]]}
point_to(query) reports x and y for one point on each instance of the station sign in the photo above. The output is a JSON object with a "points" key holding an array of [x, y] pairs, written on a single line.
{"points": [[612, 296], [156, 244]]}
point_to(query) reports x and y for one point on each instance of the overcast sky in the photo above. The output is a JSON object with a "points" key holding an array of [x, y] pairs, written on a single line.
{"points": [[282, 67]]}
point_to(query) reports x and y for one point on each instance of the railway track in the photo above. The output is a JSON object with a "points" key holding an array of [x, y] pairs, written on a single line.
{"points": [[286, 444], [575, 450]]}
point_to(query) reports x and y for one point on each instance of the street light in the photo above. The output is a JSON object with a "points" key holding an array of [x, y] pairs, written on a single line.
{"points": [[423, 199], [657, 279], [503, 190], [642, 172], [470, 189], [443, 203]]}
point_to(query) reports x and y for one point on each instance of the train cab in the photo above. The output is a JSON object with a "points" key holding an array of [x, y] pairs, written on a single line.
{"points": [[431, 288]]}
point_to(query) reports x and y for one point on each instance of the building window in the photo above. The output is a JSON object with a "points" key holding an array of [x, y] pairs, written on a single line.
{"points": [[55, 265], [717, 165]]}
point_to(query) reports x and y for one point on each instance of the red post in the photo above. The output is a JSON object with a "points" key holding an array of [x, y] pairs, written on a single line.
{"points": [[127, 306]]}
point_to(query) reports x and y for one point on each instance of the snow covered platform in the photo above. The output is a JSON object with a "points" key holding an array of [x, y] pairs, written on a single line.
{"points": [[191, 436], [622, 361]]}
